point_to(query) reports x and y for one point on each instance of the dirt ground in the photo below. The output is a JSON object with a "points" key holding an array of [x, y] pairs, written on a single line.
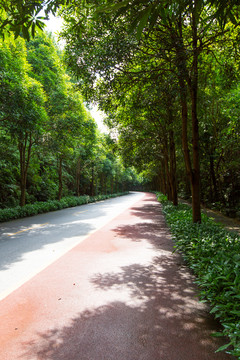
{"points": [[229, 223]]}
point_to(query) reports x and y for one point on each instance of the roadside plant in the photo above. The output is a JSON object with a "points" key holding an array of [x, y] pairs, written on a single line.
{"points": [[213, 253], [51, 205]]}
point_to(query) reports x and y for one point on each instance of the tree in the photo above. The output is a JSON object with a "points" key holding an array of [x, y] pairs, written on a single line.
{"points": [[180, 31], [25, 17], [22, 105]]}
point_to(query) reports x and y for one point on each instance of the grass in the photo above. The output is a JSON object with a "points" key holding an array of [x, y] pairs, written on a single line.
{"points": [[213, 253], [51, 205]]}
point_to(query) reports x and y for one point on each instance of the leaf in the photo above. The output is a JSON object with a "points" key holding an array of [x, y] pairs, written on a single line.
{"points": [[33, 29], [41, 25], [153, 18], [143, 21], [112, 8], [235, 312], [162, 13], [25, 33], [17, 31], [232, 18], [121, 11], [217, 334], [224, 347]]}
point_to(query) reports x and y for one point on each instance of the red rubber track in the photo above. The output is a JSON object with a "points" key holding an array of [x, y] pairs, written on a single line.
{"points": [[119, 295]]}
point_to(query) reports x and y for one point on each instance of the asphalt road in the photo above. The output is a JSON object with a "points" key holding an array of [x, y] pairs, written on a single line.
{"points": [[119, 293], [29, 245]]}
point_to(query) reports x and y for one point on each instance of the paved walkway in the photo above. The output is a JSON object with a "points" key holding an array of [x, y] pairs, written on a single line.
{"points": [[119, 295]]}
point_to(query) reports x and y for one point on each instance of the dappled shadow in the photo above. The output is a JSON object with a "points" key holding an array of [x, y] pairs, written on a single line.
{"points": [[120, 332], [151, 227], [157, 315], [161, 319], [14, 248], [24, 236]]}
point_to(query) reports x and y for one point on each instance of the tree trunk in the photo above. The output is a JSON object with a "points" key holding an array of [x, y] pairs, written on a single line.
{"points": [[23, 178], [105, 185], [78, 174], [213, 178], [163, 182], [112, 185], [102, 183], [92, 183], [60, 182], [173, 168], [196, 207], [23, 191], [193, 171], [24, 149], [166, 165]]}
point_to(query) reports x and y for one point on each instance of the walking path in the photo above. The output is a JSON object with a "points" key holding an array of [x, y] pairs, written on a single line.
{"points": [[229, 223], [119, 295]]}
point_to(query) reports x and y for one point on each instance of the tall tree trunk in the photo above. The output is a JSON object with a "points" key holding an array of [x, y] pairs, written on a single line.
{"points": [[193, 170], [24, 154], [173, 168], [60, 182], [172, 154], [159, 186], [102, 183], [23, 179], [112, 185], [166, 165], [78, 174], [213, 178], [92, 183], [195, 129], [23, 190], [163, 177], [105, 185]]}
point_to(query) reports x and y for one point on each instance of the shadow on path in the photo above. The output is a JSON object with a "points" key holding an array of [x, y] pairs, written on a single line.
{"points": [[160, 318]]}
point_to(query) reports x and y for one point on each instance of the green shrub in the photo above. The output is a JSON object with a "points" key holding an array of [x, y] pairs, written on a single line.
{"points": [[51, 205], [214, 255]]}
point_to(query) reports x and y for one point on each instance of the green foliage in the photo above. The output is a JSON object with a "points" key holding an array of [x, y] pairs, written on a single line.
{"points": [[51, 205], [49, 143], [213, 254], [150, 73], [25, 18], [133, 71]]}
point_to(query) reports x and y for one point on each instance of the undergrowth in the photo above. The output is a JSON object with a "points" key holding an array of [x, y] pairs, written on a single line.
{"points": [[213, 253], [51, 205]]}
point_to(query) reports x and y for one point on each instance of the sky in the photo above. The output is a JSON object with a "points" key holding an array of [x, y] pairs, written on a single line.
{"points": [[54, 25]]}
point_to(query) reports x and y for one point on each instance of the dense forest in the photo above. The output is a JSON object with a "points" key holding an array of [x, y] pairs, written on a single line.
{"points": [[166, 74], [49, 144]]}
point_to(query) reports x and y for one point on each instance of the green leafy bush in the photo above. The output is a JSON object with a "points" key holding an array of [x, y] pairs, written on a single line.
{"points": [[214, 255], [51, 205]]}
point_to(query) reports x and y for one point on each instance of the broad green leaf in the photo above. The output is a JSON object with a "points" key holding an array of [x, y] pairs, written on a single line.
{"points": [[143, 21], [224, 347], [112, 8]]}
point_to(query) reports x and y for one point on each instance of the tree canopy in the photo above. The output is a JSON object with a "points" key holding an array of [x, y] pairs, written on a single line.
{"points": [[122, 50], [49, 140], [166, 75]]}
